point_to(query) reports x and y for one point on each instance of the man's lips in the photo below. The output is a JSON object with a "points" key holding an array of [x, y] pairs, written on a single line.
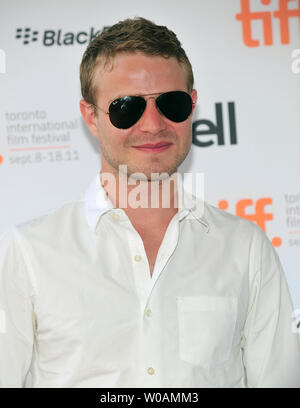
{"points": [[153, 147]]}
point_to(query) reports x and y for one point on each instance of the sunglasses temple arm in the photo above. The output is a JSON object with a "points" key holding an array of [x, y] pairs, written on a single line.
{"points": [[98, 107]]}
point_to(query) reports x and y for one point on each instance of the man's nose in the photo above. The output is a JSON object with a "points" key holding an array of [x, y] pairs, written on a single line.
{"points": [[152, 120]]}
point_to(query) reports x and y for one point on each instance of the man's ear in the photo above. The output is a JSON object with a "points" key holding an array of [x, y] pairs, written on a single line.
{"points": [[194, 97], [89, 116]]}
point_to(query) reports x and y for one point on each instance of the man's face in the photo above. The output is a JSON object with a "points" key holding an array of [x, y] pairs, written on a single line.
{"points": [[139, 74]]}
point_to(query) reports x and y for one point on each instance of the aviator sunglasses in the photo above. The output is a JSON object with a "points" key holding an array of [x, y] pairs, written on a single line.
{"points": [[126, 111]]}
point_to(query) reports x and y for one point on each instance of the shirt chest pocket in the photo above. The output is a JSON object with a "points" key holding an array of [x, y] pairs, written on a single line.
{"points": [[206, 327]]}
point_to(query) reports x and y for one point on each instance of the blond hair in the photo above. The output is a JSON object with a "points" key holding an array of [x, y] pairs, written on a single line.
{"points": [[130, 36]]}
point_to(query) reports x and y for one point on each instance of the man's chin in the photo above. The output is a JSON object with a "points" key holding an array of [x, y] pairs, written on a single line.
{"points": [[150, 176]]}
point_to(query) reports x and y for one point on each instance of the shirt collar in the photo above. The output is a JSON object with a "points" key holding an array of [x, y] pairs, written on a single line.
{"points": [[97, 203]]}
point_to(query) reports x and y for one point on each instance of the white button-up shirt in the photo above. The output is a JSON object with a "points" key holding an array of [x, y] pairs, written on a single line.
{"points": [[78, 307]]}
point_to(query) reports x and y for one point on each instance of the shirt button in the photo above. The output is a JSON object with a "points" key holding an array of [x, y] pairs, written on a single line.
{"points": [[116, 217], [137, 258], [148, 313], [150, 370]]}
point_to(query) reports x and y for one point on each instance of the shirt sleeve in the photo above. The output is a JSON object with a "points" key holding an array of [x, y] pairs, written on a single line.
{"points": [[16, 314], [271, 351]]}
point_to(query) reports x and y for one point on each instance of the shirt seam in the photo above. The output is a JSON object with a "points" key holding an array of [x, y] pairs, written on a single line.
{"points": [[28, 265], [252, 310]]}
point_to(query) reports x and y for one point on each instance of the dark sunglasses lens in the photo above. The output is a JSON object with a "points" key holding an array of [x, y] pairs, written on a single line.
{"points": [[176, 106], [125, 112]]}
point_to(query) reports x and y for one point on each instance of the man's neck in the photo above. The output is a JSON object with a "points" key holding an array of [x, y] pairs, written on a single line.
{"points": [[149, 205], [145, 202]]}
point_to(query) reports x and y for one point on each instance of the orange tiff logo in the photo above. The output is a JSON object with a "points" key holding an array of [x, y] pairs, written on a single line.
{"points": [[283, 14], [259, 215]]}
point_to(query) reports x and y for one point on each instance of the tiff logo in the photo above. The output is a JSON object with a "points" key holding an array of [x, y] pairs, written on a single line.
{"points": [[256, 214], [283, 14], [259, 215], [2, 62], [27, 35]]}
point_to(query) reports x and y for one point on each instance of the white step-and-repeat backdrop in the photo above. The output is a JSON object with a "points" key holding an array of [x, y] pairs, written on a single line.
{"points": [[246, 130]]}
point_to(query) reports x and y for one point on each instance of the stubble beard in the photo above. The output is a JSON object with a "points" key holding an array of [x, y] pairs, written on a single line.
{"points": [[156, 172]]}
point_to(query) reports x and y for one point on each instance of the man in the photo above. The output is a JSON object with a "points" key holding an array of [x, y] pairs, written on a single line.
{"points": [[107, 293]]}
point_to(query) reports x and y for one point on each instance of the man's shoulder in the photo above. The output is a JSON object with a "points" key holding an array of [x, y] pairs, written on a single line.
{"points": [[238, 237], [52, 221], [223, 222]]}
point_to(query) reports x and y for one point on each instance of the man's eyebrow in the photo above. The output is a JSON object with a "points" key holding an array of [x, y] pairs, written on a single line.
{"points": [[118, 96], [136, 94]]}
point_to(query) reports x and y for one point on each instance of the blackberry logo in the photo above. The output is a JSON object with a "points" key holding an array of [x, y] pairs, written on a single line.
{"points": [[27, 35], [57, 37]]}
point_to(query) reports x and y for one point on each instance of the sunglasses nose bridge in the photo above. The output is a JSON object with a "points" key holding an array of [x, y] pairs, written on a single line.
{"points": [[154, 103], [152, 119]]}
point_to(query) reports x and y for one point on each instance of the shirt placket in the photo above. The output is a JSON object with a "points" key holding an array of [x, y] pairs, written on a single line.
{"points": [[140, 265], [147, 375], [150, 359]]}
